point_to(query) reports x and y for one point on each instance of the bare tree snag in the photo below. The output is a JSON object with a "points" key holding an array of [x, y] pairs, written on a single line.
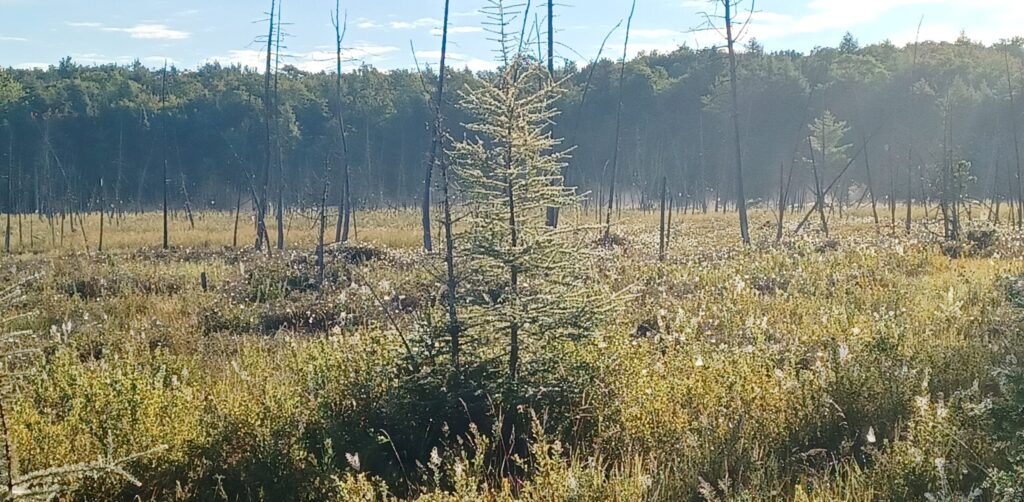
{"points": [[438, 133], [345, 207], [618, 132]]}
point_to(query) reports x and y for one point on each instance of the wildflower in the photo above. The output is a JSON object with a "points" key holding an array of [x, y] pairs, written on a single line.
{"points": [[353, 460], [698, 362], [871, 435]]}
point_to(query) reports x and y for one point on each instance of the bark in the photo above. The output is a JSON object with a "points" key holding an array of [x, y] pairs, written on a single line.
{"points": [[163, 155], [741, 202], [344, 208], [661, 234], [280, 148], [438, 133], [1016, 144], [320, 265], [268, 119], [618, 133]]}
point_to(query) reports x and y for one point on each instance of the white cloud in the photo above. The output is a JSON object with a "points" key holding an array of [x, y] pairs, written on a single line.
{"points": [[154, 61], [458, 29], [423, 22], [31, 66], [649, 33], [152, 32], [998, 16], [12, 39], [145, 31], [312, 61], [457, 60]]}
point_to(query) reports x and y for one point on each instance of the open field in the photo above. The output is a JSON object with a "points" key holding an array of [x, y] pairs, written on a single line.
{"points": [[866, 367]]}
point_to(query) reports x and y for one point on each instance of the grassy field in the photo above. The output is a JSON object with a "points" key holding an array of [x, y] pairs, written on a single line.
{"points": [[869, 366]]}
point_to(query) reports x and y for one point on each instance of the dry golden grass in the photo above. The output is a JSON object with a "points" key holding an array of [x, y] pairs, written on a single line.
{"points": [[732, 372]]}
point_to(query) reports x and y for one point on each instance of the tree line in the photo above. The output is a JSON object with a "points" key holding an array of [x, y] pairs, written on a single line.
{"points": [[899, 119]]}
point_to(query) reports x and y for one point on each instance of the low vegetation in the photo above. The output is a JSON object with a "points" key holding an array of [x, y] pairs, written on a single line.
{"points": [[863, 367]]}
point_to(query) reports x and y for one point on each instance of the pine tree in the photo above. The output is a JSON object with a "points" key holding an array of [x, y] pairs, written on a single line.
{"points": [[826, 150], [531, 277]]}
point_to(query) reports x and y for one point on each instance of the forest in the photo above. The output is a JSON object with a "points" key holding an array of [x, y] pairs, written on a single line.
{"points": [[716, 274], [70, 126]]}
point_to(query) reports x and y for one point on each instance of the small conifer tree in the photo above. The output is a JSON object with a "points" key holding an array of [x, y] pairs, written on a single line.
{"points": [[533, 275]]}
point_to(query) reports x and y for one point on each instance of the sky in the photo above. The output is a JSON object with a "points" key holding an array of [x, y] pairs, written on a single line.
{"points": [[398, 33]]}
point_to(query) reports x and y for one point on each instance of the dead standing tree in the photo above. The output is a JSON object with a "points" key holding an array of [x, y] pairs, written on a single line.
{"points": [[618, 133], [163, 152], [732, 35], [268, 117], [1016, 141], [277, 124], [435, 145], [345, 207], [552, 212]]}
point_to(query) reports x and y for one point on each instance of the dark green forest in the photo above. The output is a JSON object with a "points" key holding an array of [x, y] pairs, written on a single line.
{"points": [[906, 110]]}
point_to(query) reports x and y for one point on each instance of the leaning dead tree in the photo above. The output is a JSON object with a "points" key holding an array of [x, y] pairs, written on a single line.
{"points": [[435, 145]]}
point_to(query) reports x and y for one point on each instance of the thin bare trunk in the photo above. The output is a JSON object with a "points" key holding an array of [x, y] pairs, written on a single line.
{"points": [[163, 152], [238, 212], [344, 208], [819, 198], [99, 248], [268, 119], [661, 234], [280, 147], [618, 132], [741, 202], [320, 264], [438, 134], [1016, 144]]}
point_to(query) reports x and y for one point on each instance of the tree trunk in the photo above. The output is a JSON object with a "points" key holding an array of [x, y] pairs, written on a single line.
{"points": [[280, 147], [552, 212], [320, 264], [661, 234], [341, 229], [163, 152], [618, 133], [741, 202], [1016, 145], [438, 134], [268, 119], [819, 197]]}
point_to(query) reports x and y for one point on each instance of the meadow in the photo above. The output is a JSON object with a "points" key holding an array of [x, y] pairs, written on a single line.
{"points": [[873, 365]]}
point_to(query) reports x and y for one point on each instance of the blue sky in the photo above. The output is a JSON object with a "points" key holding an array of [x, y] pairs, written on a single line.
{"points": [[188, 33]]}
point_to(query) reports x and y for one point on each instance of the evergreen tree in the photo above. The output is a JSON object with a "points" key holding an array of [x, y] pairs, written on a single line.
{"points": [[827, 134], [508, 174], [849, 45]]}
